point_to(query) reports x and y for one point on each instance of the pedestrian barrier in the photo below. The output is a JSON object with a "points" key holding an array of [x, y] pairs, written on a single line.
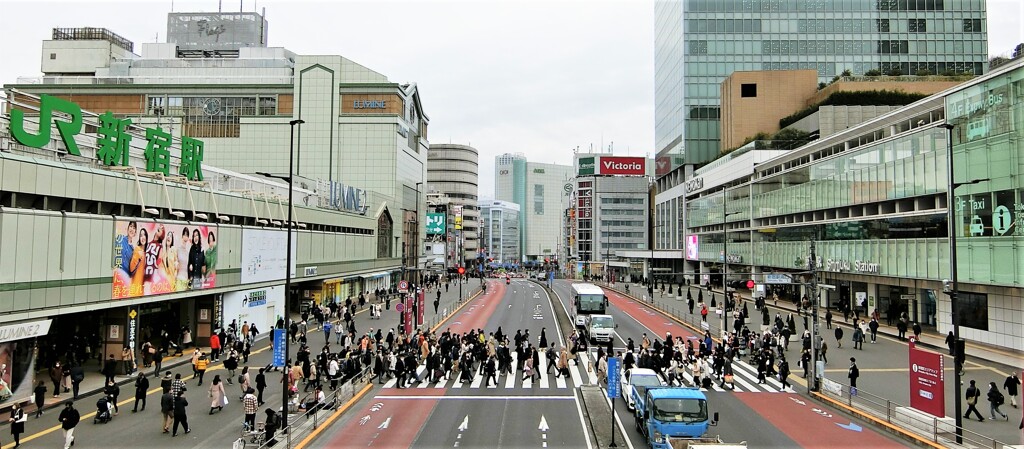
{"points": [[933, 431], [302, 423]]}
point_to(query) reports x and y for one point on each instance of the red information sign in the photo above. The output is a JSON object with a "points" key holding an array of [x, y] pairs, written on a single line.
{"points": [[408, 314], [420, 302], [927, 381], [403, 286]]}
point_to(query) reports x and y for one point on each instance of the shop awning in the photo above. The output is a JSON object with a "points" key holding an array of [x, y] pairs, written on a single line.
{"points": [[375, 275]]}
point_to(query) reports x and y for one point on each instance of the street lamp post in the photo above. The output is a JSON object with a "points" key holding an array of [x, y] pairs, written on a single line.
{"points": [[953, 287], [416, 255], [288, 262]]}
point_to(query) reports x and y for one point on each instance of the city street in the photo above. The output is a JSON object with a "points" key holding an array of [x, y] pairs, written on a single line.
{"points": [[884, 366]]}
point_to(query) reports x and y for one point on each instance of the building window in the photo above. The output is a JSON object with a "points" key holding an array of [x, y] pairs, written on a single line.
{"points": [[972, 25], [384, 236], [917, 25], [538, 199], [883, 25], [973, 310], [748, 90], [53, 56]]}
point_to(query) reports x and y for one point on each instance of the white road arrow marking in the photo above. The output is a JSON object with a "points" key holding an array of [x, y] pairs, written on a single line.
{"points": [[363, 420], [377, 406], [385, 424], [543, 427], [465, 424]]}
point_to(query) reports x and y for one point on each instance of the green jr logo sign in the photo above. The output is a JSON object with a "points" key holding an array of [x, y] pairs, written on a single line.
{"points": [[113, 138]]}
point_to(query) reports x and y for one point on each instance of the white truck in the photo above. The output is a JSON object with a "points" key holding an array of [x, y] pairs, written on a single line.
{"points": [[600, 328]]}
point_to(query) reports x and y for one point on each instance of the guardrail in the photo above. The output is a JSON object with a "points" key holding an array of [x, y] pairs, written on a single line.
{"points": [[303, 422], [941, 431]]}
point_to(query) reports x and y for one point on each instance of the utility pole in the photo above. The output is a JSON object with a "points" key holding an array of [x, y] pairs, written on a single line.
{"points": [[813, 266]]}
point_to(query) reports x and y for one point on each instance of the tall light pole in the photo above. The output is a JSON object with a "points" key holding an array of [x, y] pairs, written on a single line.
{"points": [[952, 287], [416, 254], [725, 260], [288, 261]]}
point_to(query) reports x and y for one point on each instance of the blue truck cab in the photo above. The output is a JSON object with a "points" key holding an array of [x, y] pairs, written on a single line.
{"points": [[671, 414]]}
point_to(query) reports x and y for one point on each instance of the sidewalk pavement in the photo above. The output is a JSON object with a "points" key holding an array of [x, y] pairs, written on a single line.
{"points": [[1007, 359], [95, 381]]}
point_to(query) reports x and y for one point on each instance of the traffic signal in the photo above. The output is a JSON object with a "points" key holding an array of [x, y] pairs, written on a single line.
{"points": [[462, 270], [748, 284]]}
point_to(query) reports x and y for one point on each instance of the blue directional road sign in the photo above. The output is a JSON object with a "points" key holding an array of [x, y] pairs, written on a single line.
{"points": [[613, 377]]}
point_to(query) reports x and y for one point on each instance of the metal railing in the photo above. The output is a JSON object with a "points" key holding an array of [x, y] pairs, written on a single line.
{"points": [[302, 423], [935, 429]]}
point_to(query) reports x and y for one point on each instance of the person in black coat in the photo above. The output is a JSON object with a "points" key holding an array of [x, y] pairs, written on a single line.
{"points": [[261, 384], [40, 397], [17, 423], [180, 417], [543, 338], [141, 388]]}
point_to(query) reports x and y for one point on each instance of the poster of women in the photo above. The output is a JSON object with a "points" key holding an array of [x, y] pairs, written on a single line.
{"points": [[155, 258]]}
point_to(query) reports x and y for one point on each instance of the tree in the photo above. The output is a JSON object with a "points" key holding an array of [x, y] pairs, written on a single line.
{"points": [[873, 72], [924, 72], [895, 71]]}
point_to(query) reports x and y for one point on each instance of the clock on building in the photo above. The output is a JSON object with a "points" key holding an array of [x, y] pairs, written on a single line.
{"points": [[211, 106]]}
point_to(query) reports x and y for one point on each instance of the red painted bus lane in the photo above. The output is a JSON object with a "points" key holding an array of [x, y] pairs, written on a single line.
{"points": [[386, 422], [812, 425], [650, 318], [476, 314]]}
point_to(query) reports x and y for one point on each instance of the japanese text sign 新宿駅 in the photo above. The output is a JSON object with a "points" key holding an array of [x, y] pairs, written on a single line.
{"points": [[927, 381], [613, 377], [155, 258], [435, 224], [114, 137]]}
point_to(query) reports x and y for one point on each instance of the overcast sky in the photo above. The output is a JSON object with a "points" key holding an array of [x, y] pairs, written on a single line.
{"points": [[537, 77]]}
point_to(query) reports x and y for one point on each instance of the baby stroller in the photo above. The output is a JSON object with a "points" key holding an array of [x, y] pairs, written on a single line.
{"points": [[103, 415]]}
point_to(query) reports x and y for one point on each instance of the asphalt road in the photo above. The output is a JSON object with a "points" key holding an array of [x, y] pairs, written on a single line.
{"points": [[761, 415], [512, 414]]}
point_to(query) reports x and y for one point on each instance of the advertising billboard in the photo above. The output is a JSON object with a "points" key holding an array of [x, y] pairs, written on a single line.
{"points": [[927, 381], [616, 165], [17, 359], [263, 256], [692, 247], [153, 258], [458, 217], [260, 307], [586, 166]]}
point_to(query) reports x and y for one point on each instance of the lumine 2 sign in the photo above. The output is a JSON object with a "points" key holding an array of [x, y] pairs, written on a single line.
{"points": [[113, 139]]}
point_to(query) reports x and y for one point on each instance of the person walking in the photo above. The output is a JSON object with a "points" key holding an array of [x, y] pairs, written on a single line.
{"points": [[110, 368], [141, 388], [180, 417], [828, 319], [250, 405], [951, 342], [17, 420], [839, 336], [167, 409], [1012, 384], [69, 418], [995, 399], [784, 374], [56, 374], [270, 427], [858, 338], [917, 331], [201, 363], [972, 394], [158, 358], [112, 391], [40, 397], [853, 374], [873, 325], [218, 398], [261, 384], [231, 364], [244, 381]]}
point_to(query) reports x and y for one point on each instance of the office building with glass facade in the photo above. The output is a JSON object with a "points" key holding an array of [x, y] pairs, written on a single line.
{"points": [[539, 190], [499, 231], [700, 42], [873, 197]]}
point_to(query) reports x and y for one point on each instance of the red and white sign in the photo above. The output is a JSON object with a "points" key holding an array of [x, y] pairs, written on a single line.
{"points": [[927, 381], [403, 286], [630, 166]]}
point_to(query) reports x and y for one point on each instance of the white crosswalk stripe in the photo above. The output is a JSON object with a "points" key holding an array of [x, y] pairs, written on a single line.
{"points": [[744, 378]]}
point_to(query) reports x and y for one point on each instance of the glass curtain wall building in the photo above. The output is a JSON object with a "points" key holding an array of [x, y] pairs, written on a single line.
{"points": [[874, 198], [700, 42]]}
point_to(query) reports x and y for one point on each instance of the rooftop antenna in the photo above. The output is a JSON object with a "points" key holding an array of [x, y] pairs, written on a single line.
{"points": [[219, 2]]}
